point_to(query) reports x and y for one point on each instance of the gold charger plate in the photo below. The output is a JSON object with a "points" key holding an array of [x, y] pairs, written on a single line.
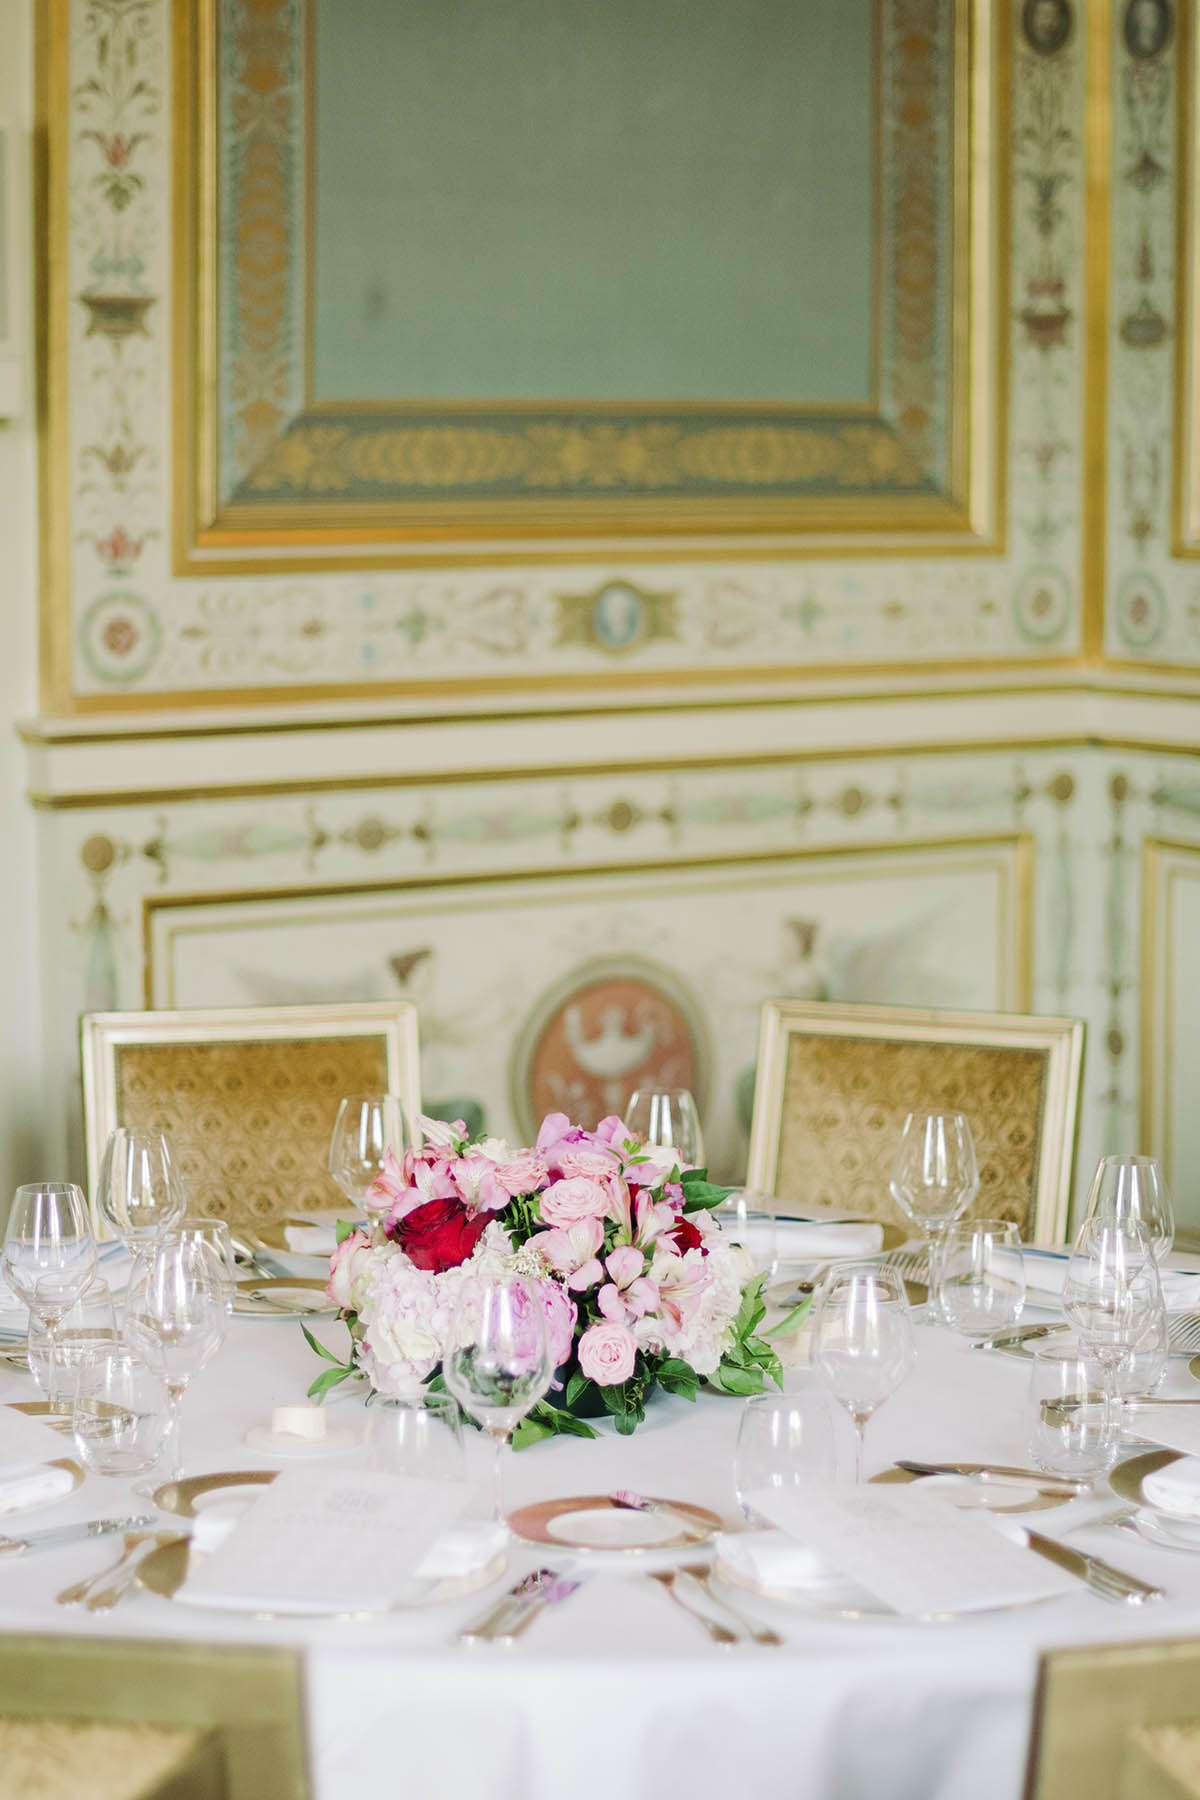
{"points": [[180, 1497], [593, 1523], [1127, 1478], [1194, 1367], [164, 1571], [978, 1493], [267, 1297], [56, 1419]]}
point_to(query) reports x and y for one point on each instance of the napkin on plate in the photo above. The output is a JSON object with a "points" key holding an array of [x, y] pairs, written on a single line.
{"points": [[1175, 1489], [460, 1552], [769, 1559], [310, 1240], [797, 1239], [27, 1447], [1046, 1270]]}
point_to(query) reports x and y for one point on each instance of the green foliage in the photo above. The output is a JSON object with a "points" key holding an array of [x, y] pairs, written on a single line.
{"points": [[344, 1229], [700, 1194]]}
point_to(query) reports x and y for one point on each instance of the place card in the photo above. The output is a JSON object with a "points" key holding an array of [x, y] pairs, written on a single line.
{"points": [[915, 1550], [345, 1540]]}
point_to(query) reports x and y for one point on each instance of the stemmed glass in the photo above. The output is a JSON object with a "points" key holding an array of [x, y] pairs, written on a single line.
{"points": [[139, 1191], [1112, 1294], [366, 1128], [934, 1178], [863, 1340], [175, 1318], [667, 1119], [1134, 1188], [49, 1258], [498, 1362]]}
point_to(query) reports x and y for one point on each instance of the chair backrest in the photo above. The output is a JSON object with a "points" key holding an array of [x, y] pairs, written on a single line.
{"points": [[248, 1095], [1117, 1722], [835, 1083], [241, 1705]]}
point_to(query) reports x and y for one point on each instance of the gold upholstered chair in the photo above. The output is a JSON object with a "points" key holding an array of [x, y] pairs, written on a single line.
{"points": [[834, 1084], [1117, 1722], [248, 1095], [120, 1719]]}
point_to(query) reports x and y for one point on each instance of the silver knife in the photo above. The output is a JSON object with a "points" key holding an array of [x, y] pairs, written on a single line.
{"points": [[67, 1534], [998, 1472], [628, 1501], [501, 1624], [1021, 1334], [1101, 1577]]}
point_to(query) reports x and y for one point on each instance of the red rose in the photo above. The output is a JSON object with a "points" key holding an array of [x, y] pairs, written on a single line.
{"points": [[439, 1235], [685, 1236]]}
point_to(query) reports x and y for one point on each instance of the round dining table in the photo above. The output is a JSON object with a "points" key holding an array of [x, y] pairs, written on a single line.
{"points": [[616, 1690]]}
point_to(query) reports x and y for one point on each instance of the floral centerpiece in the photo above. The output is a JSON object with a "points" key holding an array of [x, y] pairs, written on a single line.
{"points": [[613, 1240]]}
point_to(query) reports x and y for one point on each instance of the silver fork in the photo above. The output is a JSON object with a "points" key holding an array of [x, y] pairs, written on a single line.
{"points": [[1183, 1333], [720, 1634], [762, 1634]]}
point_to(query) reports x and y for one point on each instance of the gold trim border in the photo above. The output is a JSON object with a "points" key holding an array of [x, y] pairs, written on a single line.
{"points": [[1157, 901]]}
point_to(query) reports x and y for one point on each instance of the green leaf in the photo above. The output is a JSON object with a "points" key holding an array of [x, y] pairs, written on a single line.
{"points": [[627, 1422], [790, 1320], [344, 1229], [700, 1194], [577, 1386], [731, 1380], [531, 1431], [320, 1349], [328, 1379]]}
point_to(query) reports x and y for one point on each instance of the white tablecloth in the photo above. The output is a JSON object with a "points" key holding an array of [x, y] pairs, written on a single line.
{"points": [[615, 1690]]}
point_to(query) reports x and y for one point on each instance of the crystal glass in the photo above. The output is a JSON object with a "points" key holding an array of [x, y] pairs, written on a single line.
{"points": [[744, 1220], [934, 1177], [214, 1235], [89, 1326], [1111, 1289], [783, 1441], [49, 1258], [1134, 1188], [981, 1277], [498, 1361], [1072, 1423], [366, 1128], [139, 1191], [424, 1439], [120, 1413], [862, 1340], [667, 1119], [175, 1318]]}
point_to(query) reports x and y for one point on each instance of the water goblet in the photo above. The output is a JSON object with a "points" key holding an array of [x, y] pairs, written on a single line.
{"points": [[175, 1318], [934, 1178], [498, 1362], [1111, 1292], [981, 1278], [862, 1340], [366, 1128], [89, 1326], [120, 1413], [1134, 1188], [49, 1258], [422, 1438], [783, 1441], [214, 1235], [667, 1119], [139, 1191]]}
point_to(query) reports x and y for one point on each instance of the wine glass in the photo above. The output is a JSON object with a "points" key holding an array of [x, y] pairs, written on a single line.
{"points": [[49, 1258], [934, 1177], [175, 1318], [667, 1119], [1134, 1187], [366, 1128], [981, 1277], [783, 1441], [862, 1340], [139, 1191], [89, 1326], [498, 1362], [214, 1235], [1112, 1293]]}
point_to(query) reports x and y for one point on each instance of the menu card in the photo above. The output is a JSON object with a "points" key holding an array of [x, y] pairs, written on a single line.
{"points": [[341, 1540], [915, 1550]]}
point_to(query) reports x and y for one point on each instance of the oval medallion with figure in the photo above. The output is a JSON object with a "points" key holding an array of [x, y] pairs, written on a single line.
{"points": [[607, 1028]]}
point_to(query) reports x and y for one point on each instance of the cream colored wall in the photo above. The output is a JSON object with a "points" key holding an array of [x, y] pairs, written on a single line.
{"points": [[22, 1149]]}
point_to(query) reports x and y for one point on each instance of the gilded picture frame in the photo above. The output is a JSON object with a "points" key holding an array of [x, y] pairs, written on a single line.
{"points": [[247, 1095], [270, 474], [835, 1083]]}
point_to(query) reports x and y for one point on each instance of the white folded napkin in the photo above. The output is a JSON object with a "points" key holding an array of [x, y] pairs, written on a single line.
{"points": [[769, 1559], [1046, 1270], [796, 1239], [34, 1487], [462, 1552], [1175, 1488], [310, 1240]]}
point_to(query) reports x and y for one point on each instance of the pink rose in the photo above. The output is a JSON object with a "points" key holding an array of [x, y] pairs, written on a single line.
{"points": [[578, 1197], [599, 1164], [523, 1174], [607, 1353]]}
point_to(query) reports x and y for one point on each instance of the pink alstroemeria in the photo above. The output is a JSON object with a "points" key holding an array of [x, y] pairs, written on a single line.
{"points": [[570, 1247], [627, 1294], [612, 1131], [478, 1185], [390, 1186]]}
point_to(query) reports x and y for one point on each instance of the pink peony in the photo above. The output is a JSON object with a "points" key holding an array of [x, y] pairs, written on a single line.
{"points": [[607, 1353], [561, 1319], [567, 1202]]}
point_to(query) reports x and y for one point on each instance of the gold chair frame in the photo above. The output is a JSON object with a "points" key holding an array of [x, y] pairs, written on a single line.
{"points": [[1107, 1717], [835, 1083], [265, 1082]]}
